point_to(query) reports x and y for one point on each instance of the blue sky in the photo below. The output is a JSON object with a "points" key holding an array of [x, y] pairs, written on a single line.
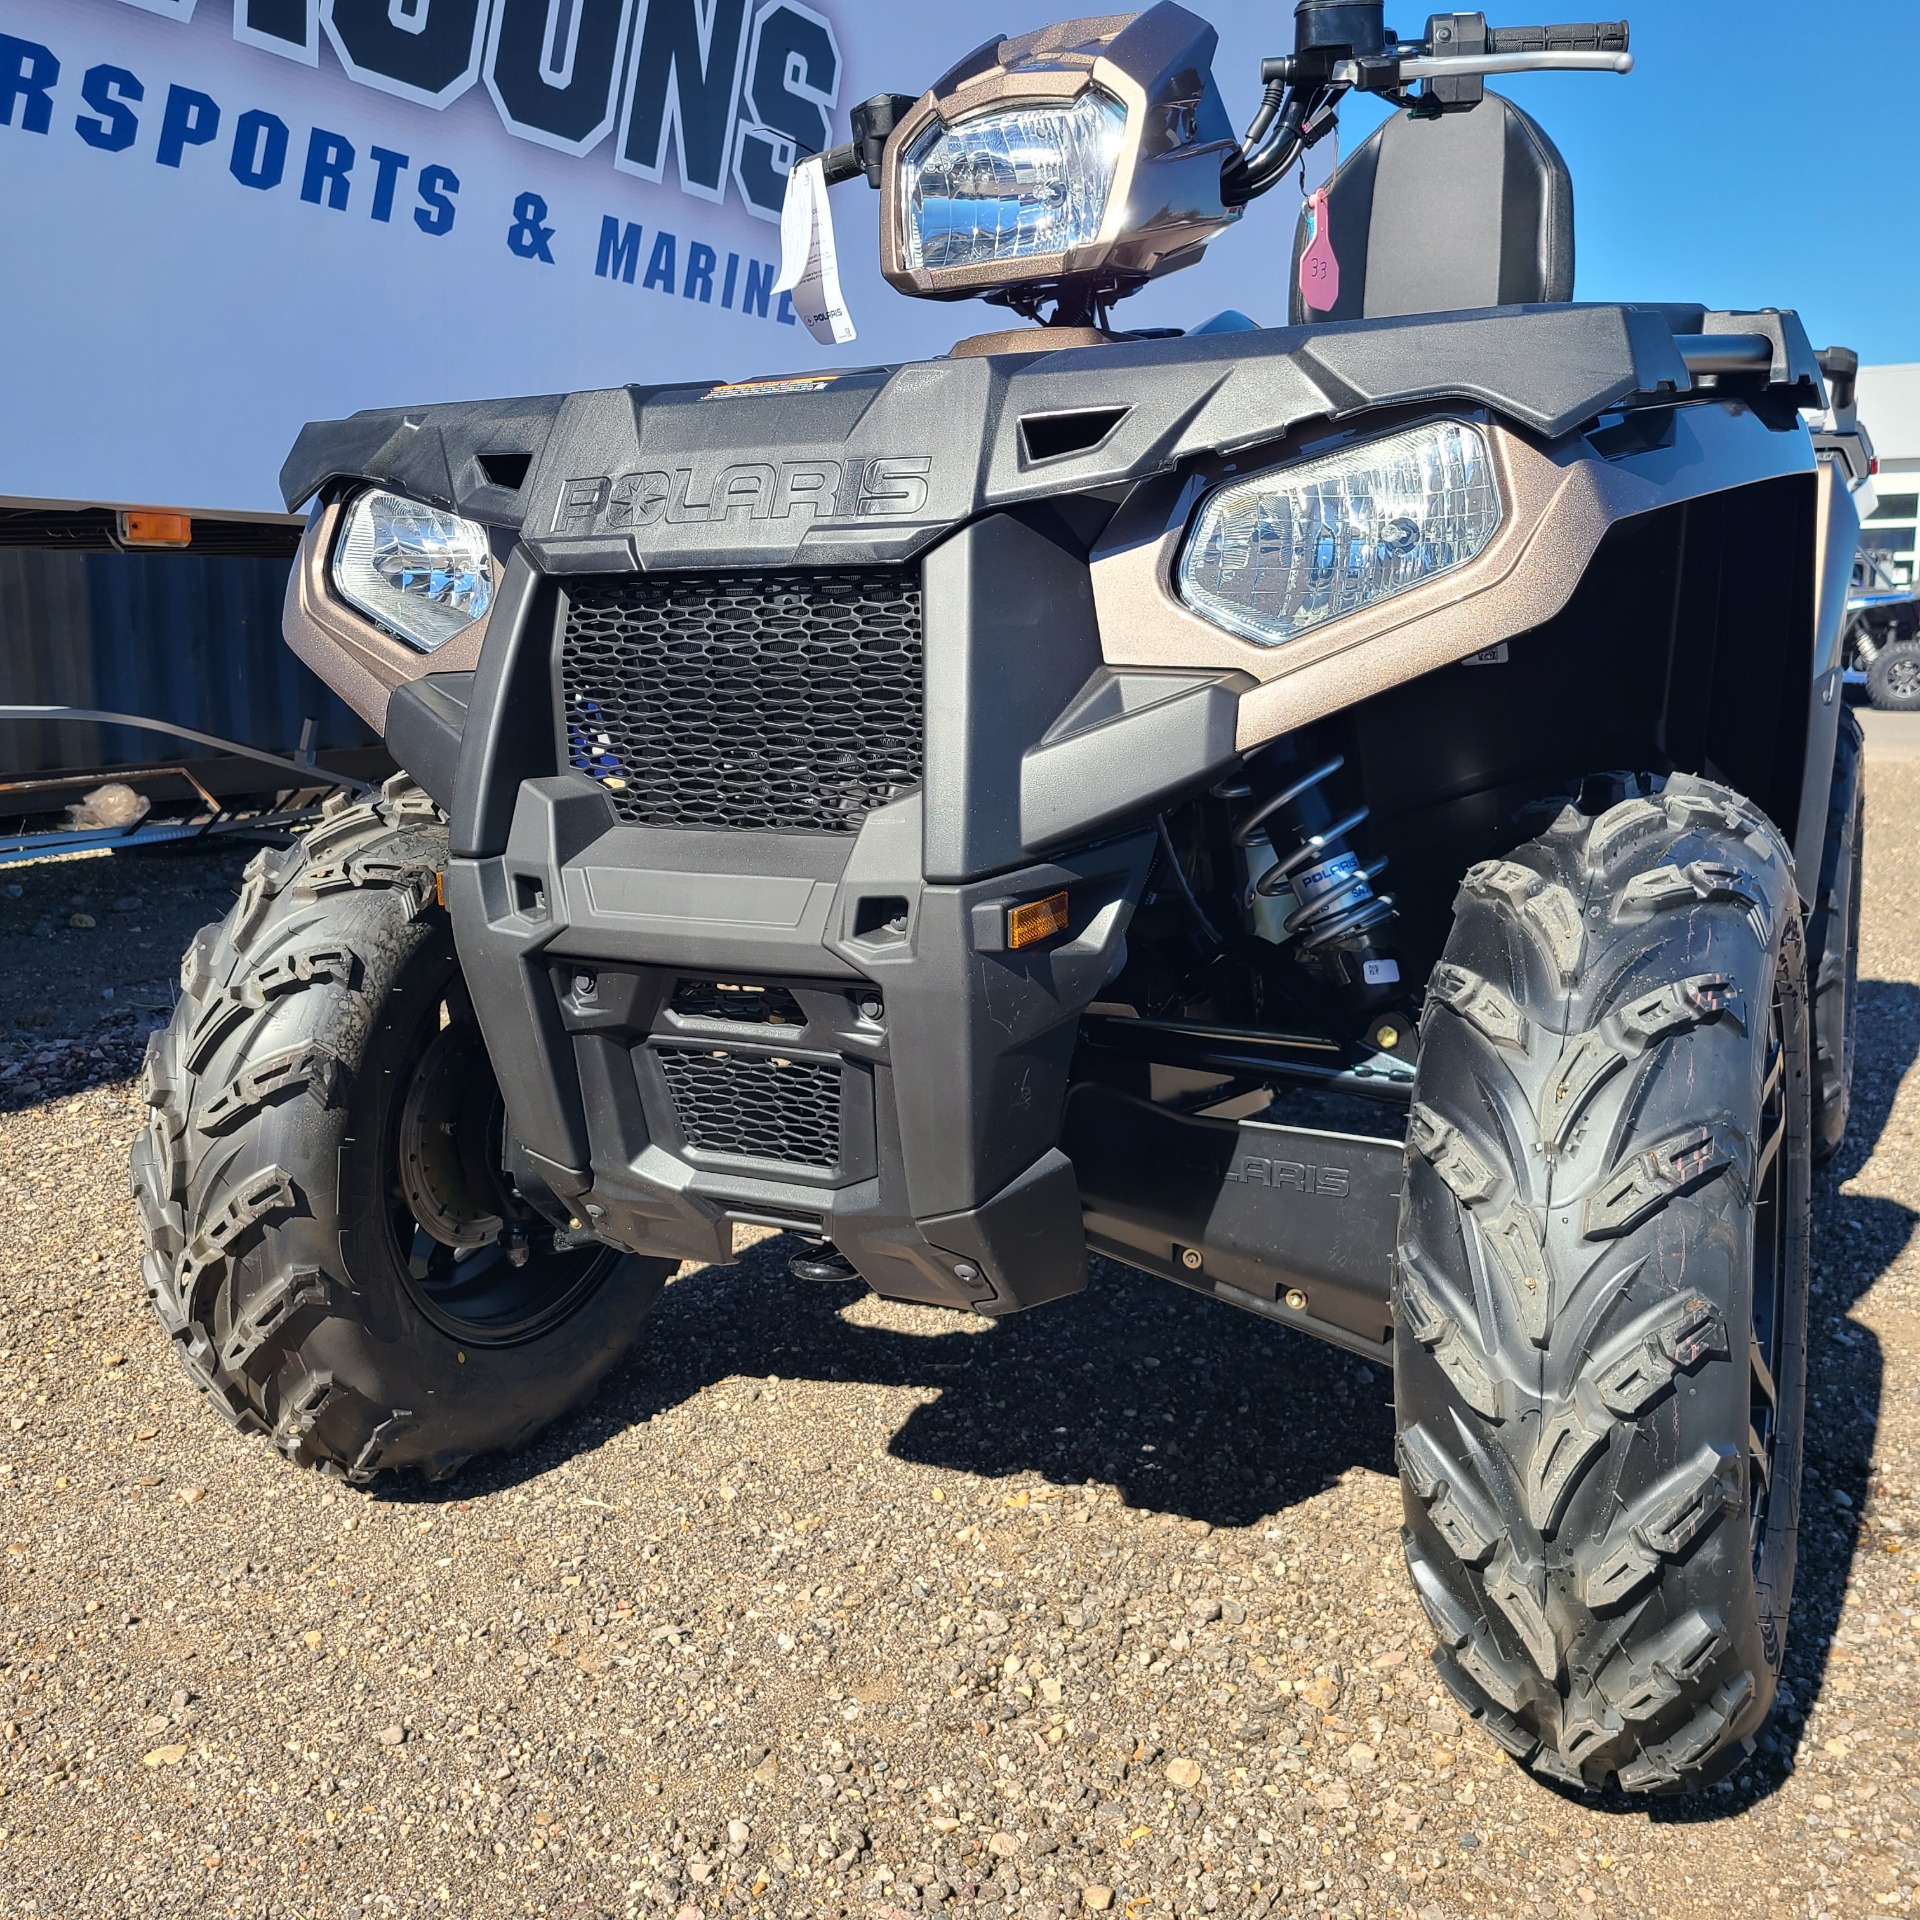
{"points": [[1763, 154]]}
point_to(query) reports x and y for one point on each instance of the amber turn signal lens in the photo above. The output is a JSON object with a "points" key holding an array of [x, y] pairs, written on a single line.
{"points": [[156, 530], [1038, 920]]}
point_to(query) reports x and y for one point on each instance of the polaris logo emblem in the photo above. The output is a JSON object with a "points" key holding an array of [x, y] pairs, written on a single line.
{"points": [[1292, 1176], [893, 489]]}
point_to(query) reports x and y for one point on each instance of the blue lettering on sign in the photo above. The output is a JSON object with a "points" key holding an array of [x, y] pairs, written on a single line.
{"points": [[683, 87], [434, 214], [619, 260], [619, 250], [259, 150], [793, 79], [530, 238], [790, 61], [107, 90], [389, 166], [423, 50], [330, 158], [554, 72], [28, 72], [191, 120], [287, 27], [736, 88], [660, 267], [759, 288]]}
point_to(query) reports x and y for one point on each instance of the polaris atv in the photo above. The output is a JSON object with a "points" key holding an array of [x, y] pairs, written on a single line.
{"points": [[1354, 818]]}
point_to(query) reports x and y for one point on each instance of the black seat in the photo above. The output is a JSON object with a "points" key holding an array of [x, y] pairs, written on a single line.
{"points": [[1432, 216]]}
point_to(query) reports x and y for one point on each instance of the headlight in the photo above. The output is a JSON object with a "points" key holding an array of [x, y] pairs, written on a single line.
{"points": [[1274, 557], [1011, 184], [423, 574]]}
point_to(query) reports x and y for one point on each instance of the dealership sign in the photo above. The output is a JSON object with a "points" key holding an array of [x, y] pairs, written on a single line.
{"points": [[227, 216]]}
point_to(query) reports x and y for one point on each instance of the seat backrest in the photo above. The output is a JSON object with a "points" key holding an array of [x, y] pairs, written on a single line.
{"points": [[1432, 216]]}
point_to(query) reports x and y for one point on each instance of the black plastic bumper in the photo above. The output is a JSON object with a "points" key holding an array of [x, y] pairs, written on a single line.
{"points": [[595, 954]]}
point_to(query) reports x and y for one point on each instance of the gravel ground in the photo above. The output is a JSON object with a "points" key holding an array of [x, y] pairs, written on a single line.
{"points": [[89, 949], [833, 1606]]}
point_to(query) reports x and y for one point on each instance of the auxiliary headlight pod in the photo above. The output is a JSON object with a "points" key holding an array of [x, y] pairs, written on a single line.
{"points": [[1009, 183], [1277, 555]]}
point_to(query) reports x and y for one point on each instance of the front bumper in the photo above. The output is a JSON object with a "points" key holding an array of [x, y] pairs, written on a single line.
{"points": [[696, 1027], [912, 1115]]}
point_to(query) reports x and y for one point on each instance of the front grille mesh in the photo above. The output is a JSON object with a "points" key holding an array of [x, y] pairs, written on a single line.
{"points": [[755, 1107], [763, 702]]}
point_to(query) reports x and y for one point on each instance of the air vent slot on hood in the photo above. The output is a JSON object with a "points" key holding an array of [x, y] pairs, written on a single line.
{"points": [[1052, 436], [507, 470]]}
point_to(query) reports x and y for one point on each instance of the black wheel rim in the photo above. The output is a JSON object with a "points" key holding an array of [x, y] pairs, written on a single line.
{"points": [[1771, 1258], [478, 1261]]}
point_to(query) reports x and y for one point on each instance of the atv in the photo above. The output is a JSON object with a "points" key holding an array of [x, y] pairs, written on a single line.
{"points": [[1883, 637], [1357, 819], [1882, 645]]}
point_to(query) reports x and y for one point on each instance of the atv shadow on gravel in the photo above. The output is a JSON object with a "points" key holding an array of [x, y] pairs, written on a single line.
{"points": [[1153, 1392], [1161, 1396]]}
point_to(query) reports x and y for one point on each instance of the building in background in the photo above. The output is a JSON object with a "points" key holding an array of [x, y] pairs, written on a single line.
{"points": [[1890, 411]]}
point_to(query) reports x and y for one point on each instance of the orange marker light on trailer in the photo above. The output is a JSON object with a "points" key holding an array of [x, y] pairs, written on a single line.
{"points": [[156, 530], [1038, 920]]}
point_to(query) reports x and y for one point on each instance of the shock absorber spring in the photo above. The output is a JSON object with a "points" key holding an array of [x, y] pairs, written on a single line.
{"points": [[1336, 905]]}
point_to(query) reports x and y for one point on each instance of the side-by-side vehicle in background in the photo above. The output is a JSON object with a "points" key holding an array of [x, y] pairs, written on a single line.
{"points": [[1357, 818], [1883, 636]]}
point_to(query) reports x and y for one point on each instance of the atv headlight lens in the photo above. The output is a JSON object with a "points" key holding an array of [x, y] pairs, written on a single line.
{"points": [[422, 573], [1011, 184], [1274, 557]]}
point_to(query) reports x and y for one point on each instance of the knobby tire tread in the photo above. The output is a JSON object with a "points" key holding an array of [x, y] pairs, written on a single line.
{"points": [[1573, 1286], [237, 1174]]}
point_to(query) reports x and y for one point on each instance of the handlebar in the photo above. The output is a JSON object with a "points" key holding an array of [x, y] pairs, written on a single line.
{"points": [[1593, 36], [1341, 47]]}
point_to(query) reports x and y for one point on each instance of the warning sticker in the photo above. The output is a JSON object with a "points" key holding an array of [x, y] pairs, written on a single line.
{"points": [[755, 389]]}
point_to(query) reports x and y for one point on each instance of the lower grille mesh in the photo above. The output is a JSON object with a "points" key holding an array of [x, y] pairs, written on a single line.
{"points": [[764, 702], [759, 1108]]}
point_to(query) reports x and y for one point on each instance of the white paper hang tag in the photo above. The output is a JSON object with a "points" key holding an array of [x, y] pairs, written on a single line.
{"points": [[809, 260]]}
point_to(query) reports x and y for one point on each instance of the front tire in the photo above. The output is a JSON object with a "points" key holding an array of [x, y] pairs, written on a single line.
{"points": [[330, 1243], [1602, 1290]]}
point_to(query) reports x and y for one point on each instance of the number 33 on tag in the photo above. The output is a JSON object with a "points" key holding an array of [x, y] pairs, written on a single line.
{"points": [[1319, 265]]}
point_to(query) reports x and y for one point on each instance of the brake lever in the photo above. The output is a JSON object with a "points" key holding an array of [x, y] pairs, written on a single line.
{"points": [[1465, 66]]}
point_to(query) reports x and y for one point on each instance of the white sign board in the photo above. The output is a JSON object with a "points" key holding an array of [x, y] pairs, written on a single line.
{"points": [[222, 218]]}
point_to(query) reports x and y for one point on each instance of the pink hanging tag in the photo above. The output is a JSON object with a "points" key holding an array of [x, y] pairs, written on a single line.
{"points": [[1319, 265]]}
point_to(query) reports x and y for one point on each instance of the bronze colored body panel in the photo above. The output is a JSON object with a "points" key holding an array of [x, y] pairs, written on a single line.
{"points": [[1559, 502]]}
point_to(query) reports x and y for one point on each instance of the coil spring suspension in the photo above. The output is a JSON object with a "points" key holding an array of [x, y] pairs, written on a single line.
{"points": [[1337, 903]]}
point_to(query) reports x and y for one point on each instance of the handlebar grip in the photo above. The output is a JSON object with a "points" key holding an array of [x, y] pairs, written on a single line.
{"points": [[1591, 36]]}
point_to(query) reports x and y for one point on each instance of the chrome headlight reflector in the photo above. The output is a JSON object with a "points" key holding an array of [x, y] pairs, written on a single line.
{"points": [[422, 573], [1011, 183], [1274, 557]]}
